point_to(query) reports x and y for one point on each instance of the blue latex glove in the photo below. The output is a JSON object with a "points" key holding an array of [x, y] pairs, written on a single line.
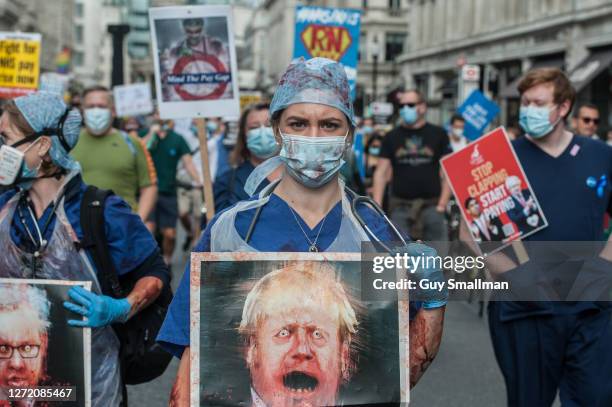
{"points": [[432, 298], [100, 310]]}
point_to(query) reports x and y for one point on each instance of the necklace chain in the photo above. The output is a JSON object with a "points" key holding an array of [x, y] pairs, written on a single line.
{"points": [[312, 244]]}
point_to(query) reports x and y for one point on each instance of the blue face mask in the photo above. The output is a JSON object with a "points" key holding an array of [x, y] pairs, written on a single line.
{"points": [[375, 151], [97, 120], [409, 114], [211, 126], [536, 120], [261, 142], [367, 129], [313, 161]]}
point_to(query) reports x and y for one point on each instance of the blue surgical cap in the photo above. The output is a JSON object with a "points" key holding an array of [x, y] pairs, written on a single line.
{"points": [[44, 110], [317, 80]]}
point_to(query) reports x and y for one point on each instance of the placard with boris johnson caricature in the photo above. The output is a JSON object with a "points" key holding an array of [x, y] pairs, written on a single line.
{"points": [[493, 193], [292, 329]]}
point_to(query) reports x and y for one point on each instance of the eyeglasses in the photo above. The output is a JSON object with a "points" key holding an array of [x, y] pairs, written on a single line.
{"points": [[26, 351], [411, 105], [588, 120]]}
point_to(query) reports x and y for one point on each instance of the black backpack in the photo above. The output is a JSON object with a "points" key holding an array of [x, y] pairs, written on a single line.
{"points": [[141, 358]]}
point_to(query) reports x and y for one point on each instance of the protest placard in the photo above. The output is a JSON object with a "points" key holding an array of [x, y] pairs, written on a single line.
{"points": [[195, 61], [19, 63], [132, 100], [249, 312], [330, 33], [492, 191], [478, 111], [53, 354]]}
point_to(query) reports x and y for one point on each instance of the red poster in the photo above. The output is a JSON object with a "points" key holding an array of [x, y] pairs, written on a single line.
{"points": [[495, 197]]}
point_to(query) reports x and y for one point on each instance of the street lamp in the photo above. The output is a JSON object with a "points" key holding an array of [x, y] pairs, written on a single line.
{"points": [[375, 52]]}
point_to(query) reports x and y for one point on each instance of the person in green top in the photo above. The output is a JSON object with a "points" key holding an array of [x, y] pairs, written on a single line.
{"points": [[110, 158], [167, 149]]}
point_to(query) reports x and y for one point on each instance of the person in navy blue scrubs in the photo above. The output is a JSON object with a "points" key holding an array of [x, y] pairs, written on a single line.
{"points": [[255, 144], [40, 230], [545, 347], [313, 122]]}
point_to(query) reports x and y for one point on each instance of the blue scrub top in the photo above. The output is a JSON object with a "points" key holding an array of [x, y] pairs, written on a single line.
{"points": [[229, 186], [129, 241], [574, 211], [275, 231]]}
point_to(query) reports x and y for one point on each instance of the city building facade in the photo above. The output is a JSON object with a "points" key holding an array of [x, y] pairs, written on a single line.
{"points": [[384, 32], [506, 38]]}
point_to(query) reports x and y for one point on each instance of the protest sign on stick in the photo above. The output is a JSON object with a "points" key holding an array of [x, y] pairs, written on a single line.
{"points": [[133, 99], [19, 63], [329, 33], [195, 61], [493, 193], [195, 70]]}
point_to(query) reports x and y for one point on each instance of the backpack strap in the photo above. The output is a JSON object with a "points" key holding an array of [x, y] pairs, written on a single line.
{"points": [[129, 142], [94, 239]]}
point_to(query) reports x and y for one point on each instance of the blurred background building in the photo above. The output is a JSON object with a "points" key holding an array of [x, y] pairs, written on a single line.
{"points": [[506, 38], [384, 31]]}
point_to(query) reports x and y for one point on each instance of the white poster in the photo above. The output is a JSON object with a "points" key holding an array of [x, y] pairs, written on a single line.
{"points": [[133, 100], [195, 61]]}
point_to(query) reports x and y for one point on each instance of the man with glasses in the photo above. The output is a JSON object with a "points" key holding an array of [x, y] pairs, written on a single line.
{"points": [[586, 120], [410, 157], [24, 325]]}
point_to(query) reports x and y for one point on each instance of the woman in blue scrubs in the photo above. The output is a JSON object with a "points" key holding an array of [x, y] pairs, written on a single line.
{"points": [[41, 232], [255, 144], [307, 210]]}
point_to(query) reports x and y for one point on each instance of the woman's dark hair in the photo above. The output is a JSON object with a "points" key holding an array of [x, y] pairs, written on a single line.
{"points": [[468, 201], [376, 136], [241, 153], [17, 119]]}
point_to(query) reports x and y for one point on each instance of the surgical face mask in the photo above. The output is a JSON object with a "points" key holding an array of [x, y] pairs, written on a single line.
{"points": [[261, 142], [367, 129], [13, 167], [457, 132], [97, 120], [211, 126], [313, 161], [536, 120], [409, 114], [375, 151]]}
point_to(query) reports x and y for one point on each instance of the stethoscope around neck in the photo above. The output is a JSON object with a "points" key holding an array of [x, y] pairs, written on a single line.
{"points": [[356, 200]]}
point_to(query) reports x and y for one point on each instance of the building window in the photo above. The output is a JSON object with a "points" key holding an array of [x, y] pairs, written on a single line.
{"points": [[78, 9], [395, 5], [77, 58], [394, 45], [362, 46], [364, 4], [78, 34]]}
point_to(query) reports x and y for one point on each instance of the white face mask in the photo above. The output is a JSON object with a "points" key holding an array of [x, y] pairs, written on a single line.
{"points": [[12, 165], [313, 161], [97, 120], [457, 132]]}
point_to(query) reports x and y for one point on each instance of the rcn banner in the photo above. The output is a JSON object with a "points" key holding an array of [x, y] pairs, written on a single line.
{"points": [[330, 33], [490, 186], [19, 63]]}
